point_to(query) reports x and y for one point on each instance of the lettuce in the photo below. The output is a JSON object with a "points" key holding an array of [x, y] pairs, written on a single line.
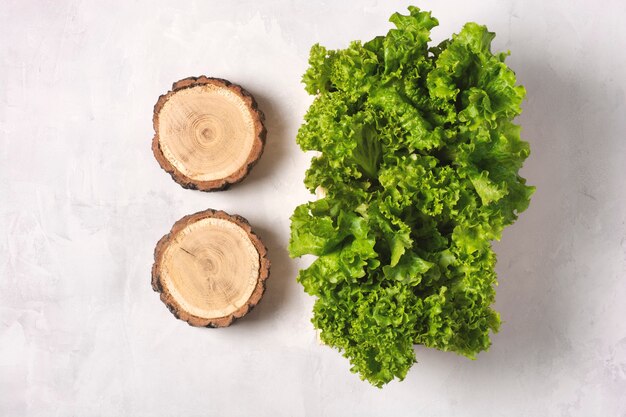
{"points": [[419, 159]]}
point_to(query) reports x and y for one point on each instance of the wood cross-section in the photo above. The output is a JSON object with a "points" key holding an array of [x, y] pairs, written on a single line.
{"points": [[209, 133], [210, 269]]}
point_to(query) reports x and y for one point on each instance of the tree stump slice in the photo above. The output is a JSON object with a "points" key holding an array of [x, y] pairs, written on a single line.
{"points": [[210, 269], [209, 133]]}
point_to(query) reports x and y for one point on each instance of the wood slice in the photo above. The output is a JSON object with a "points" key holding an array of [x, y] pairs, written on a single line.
{"points": [[210, 269], [209, 133]]}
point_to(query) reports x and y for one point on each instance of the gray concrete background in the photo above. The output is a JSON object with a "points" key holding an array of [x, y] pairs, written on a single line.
{"points": [[83, 202]]}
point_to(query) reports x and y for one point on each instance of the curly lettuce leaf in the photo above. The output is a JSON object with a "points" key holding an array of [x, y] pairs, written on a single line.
{"points": [[420, 158]]}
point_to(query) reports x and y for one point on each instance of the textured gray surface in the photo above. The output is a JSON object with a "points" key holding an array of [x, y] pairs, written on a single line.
{"points": [[83, 202]]}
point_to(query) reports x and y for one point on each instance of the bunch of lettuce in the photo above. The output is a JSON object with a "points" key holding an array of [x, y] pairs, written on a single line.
{"points": [[419, 160]]}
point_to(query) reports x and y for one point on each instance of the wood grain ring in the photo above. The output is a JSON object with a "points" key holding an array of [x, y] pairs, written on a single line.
{"points": [[210, 269], [209, 133]]}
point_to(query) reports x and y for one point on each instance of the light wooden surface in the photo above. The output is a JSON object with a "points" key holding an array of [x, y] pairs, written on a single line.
{"points": [[209, 132], [210, 269]]}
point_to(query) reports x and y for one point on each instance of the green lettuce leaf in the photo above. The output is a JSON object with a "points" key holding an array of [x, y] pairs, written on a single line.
{"points": [[420, 160]]}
